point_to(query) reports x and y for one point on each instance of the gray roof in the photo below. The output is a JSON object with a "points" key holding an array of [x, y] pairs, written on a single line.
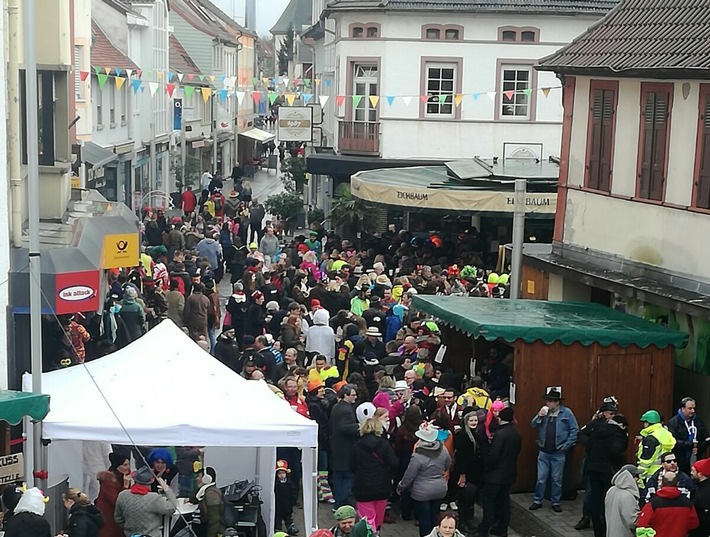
{"points": [[566, 7], [297, 14], [663, 38]]}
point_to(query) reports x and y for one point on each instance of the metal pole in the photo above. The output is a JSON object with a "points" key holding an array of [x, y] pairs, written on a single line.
{"points": [[153, 182], [33, 212], [183, 142], [214, 135], [518, 237]]}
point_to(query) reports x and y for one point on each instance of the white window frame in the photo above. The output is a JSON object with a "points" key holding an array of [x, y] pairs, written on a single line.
{"points": [[124, 105], [517, 86], [79, 86], [99, 106], [112, 105], [434, 97]]}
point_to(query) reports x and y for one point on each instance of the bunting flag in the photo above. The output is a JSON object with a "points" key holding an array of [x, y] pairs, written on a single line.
{"points": [[97, 69], [223, 94], [212, 78], [308, 82], [188, 91], [390, 99], [170, 89], [142, 89], [170, 76], [206, 94], [307, 97], [374, 99], [254, 81], [424, 98], [129, 72], [273, 96], [231, 81], [83, 75], [244, 81], [107, 70], [339, 100], [442, 98], [256, 96], [475, 96], [527, 91], [290, 97], [317, 81], [201, 77], [457, 99], [139, 72], [240, 96], [328, 82], [159, 74], [546, 91], [136, 85], [190, 76], [323, 99], [102, 80], [509, 94], [119, 82], [153, 88], [356, 100], [407, 100], [285, 81], [491, 95], [180, 75], [118, 71]]}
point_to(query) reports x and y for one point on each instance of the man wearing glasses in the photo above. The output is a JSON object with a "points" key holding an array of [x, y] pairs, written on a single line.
{"points": [[669, 463]]}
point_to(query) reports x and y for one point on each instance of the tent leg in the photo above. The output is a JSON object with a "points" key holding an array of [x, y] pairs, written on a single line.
{"points": [[314, 489]]}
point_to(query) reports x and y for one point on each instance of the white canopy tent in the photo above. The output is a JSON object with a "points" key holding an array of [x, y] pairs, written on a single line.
{"points": [[164, 390]]}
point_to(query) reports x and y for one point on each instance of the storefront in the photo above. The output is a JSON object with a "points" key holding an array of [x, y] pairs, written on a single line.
{"points": [[101, 170], [249, 147]]}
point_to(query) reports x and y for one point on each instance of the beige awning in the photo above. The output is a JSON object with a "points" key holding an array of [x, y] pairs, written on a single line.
{"points": [[258, 135], [427, 187]]}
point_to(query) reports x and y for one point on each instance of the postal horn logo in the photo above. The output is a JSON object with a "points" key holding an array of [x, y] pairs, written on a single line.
{"points": [[121, 246]]}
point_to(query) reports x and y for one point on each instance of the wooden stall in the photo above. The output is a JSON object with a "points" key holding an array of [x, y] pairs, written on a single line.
{"points": [[591, 351]]}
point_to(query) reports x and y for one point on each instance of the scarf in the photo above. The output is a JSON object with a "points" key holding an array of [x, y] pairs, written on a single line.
{"points": [[203, 490], [141, 490]]}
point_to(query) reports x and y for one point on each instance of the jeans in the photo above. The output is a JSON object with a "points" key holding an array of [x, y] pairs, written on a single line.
{"points": [[599, 484], [342, 487], [212, 335], [427, 513], [496, 509], [549, 465]]}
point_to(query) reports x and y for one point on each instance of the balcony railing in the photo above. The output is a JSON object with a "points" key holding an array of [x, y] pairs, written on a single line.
{"points": [[359, 138]]}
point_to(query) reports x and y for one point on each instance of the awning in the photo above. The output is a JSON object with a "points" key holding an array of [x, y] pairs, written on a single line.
{"points": [[96, 156], [258, 135], [431, 187], [346, 165], [532, 320], [16, 405]]}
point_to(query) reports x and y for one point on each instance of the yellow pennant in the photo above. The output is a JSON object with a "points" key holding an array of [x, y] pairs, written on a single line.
{"points": [[545, 92], [160, 75], [317, 81], [206, 93], [119, 82], [457, 99], [290, 97], [374, 99], [107, 70], [211, 78]]}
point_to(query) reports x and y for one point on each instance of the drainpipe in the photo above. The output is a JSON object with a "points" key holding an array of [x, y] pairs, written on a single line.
{"points": [[13, 139]]}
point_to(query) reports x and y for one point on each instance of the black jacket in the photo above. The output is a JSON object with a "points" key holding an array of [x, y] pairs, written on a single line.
{"points": [[374, 466], [683, 446], [606, 443], [502, 459], [255, 323], [318, 410], [343, 435], [469, 457], [701, 499], [85, 521], [226, 350], [28, 525]]}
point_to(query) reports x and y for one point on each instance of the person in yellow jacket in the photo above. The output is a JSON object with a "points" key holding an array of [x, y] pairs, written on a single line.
{"points": [[475, 395], [655, 440]]}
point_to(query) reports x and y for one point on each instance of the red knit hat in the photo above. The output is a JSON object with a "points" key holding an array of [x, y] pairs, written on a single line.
{"points": [[703, 467]]}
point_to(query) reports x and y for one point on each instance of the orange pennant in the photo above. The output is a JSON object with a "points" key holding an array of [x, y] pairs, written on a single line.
{"points": [[457, 99]]}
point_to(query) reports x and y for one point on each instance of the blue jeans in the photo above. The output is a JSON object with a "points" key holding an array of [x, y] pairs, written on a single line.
{"points": [[549, 465], [212, 335], [342, 487], [427, 513]]}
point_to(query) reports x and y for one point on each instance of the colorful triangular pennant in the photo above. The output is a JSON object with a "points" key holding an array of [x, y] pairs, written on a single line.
{"points": [[323, 99], [118, 71], [339, 100], [102, 80], [188, 91], [374, 99], [223, 94], [457, 99], [83, 75], [390, 99], [307, 97], [153, 88], [290, 97], [206, 93], [136, 85], [119, 82], [407, 99], [356, 100], [170, 89], [546, 92]]}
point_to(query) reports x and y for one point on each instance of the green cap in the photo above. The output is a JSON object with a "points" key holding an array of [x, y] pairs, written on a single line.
{"points": [[651, 416], [345, 512]]}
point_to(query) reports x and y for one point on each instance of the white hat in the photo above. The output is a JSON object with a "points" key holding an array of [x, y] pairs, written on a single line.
{"points": [[427, 432], [412, 291], [401, 385], [373, 331], [378, 265], [272, 305], [364, 411]]}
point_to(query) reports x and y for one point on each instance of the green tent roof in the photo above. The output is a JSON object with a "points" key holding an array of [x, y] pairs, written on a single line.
{"points": [[532, 320], [16, 405]]}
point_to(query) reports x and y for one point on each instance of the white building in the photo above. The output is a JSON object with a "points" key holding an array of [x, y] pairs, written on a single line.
{"points": [[633, 207]]}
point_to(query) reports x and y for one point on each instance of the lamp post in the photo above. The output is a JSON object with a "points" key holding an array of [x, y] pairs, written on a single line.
{"points": [[518, 238]]}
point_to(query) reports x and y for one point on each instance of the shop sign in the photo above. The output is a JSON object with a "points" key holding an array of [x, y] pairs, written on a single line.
{"points": [[120, 251], [77, 291], [295, 123], [12, 468]]}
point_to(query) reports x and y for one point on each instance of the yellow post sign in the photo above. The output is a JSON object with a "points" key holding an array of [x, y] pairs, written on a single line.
{"points": [[120, 251]]}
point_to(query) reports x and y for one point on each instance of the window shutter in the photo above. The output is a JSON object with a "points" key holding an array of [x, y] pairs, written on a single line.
{"points": [[660, 128], [595, 139], [77, 74], [607, 140], [703, 198], [647, 147]]}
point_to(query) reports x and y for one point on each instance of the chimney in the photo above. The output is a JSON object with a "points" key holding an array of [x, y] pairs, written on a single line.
{"points": [[250, 15]]}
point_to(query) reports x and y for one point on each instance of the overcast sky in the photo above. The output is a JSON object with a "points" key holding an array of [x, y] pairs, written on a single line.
{"points": [[267, 12]]}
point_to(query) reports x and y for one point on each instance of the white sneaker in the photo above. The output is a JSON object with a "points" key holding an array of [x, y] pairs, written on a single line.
{"points": [[443, 507], [454, 507]]}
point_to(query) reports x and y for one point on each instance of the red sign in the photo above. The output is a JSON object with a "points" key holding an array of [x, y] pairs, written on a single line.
{"points": [[77, 292]]}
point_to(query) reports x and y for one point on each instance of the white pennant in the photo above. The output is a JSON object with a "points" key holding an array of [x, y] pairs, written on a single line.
{"points": [[407, 100], [231, 81], [129, 72], [180, 75], [153, 88], [286, 80], [323, 99], [240, 96], [491, 95]]}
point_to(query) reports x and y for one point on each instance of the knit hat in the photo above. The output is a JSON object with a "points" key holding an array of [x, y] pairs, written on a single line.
{"points": [[321, 533], [506, 414], [272, 305], [282, 465], [143, 476], [314, 384], [703, 467], [117, 459], [345, 512], [364, 411]]}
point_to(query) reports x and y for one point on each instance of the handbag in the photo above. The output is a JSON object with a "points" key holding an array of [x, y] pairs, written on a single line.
{"points": [[227, 323]]}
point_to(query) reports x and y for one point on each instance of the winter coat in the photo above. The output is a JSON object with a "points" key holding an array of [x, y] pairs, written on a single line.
{"points": [[318, 410], [226, 350], [621, 506], [670, 513], [701, 500], [425, 472], [469, 457], [502, 459], [197, 307], [374, 466], [211, 502], [435, 533], [683, 443], [269, 245], [176, 305], [686, 485], [110, 485], [255, 324], [133, 316], [606, 443], [256, 214], [28, 525], [320, 337], [142, 514], [343, 434], [209, 249], [655, 440], [85, 521], [237, 306]]}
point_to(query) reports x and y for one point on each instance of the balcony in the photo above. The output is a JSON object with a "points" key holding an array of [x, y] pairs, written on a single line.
{"points": [[359, 138]]}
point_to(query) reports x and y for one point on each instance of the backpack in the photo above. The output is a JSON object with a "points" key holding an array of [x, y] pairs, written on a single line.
{"points": [[218, 202]]}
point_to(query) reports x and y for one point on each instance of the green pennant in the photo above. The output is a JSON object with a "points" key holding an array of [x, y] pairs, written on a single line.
{"points": [[308, 82], [102, 80], [273, 96], [442, 99], [356, 100], [202, 77], [97, 69], [255, 81], [188, 91], [527, 91]]}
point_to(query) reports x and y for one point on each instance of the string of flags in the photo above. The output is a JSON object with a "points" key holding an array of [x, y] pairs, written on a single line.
{"points": [[174, 84]]}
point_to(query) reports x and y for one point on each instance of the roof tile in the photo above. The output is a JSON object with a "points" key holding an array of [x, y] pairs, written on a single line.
{"points": [[104, 54], [475, 6]]}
